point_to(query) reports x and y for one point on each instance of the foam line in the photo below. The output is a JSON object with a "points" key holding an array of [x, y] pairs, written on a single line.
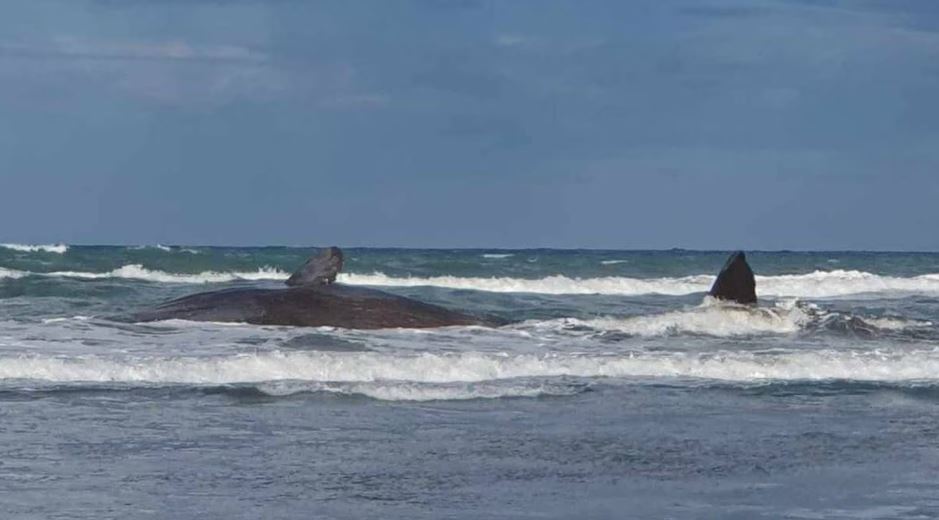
{"points": [[44, 248]]}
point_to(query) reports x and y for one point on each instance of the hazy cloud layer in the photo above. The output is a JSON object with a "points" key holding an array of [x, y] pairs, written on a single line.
{"points": [[689, 123]]}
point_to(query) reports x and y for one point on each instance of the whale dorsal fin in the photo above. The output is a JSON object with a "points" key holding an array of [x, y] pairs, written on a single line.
{"points": [[735, 281], [320, 269]]}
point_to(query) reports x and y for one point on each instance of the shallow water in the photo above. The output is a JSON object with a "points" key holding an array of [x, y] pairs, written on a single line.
{"points": [[618, 391]]}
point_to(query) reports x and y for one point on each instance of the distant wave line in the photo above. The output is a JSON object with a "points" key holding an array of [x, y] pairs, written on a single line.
{"points": [[39, 248], [817, 284]]}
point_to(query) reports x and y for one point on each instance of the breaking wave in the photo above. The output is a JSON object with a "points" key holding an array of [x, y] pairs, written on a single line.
{"points": [[818, 284], [409, 391], [160, 247], [139, 272], [467, 375], [165, 249], [711, 318], [896, 323], [714, 318], [11, 273], [46, 248], [550, 285]]}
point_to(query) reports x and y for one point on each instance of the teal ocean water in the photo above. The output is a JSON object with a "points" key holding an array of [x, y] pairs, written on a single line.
{"points": [[618, 390]]}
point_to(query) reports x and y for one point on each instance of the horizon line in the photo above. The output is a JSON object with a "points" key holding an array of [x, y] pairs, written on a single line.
{"points": [[473, 248]]}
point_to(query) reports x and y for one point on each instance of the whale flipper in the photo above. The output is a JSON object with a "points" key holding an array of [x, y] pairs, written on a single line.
{"points": [[735, 281], [318, 270]]}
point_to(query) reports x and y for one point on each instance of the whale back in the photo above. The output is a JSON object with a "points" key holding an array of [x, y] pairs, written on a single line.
{"points": [[320, 269], [735, 281]]}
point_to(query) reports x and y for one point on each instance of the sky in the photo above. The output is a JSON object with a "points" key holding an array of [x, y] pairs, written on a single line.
{"points": [[647, 124]]}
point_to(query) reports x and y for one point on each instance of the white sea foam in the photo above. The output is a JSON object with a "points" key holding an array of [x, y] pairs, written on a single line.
{"points": [[44, 248], [841, 282], [710, 318], [458, 369], [550, 285], [408, 391], [613, 262], [11, 273], [498, 255], [896, 323], [160, 247], [67, 319], [138, 272], [818, 284]]}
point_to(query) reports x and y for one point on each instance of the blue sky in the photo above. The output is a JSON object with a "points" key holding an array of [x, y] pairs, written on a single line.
{"points": [[463, 123]]}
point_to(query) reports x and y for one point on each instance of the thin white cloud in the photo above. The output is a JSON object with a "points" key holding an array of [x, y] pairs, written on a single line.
{"points": [[68, 47], [513, 40], [355, 101], [171, 72], [176, 72]]}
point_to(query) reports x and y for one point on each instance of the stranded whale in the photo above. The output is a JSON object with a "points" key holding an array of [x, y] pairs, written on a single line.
{"points": [[735, 282], [312, 300]]}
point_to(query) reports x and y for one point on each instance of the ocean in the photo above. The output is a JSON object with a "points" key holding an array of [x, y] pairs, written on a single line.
{"points": [[618, 391]]}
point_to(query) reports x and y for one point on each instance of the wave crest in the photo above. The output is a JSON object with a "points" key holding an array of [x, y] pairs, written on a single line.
{"points": [[817, 284], [44, 248], [462, 373], [139, 272], [557, 284], [711, 318], [409, 391], [11, 273]]}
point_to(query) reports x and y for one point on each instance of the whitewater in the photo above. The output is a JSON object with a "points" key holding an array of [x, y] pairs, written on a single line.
{"points": [[616, 378], [585, 315], [817, 284]]}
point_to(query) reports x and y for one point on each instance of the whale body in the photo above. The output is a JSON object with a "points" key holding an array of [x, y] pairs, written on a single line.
{"points": [[312, 300]]}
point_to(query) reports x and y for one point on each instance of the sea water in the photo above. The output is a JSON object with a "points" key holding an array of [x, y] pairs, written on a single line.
{"points": [[619, 390]]}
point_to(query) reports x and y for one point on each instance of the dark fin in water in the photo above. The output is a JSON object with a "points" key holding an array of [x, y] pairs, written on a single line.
{"points": [[318, 270], [735, 282]]}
